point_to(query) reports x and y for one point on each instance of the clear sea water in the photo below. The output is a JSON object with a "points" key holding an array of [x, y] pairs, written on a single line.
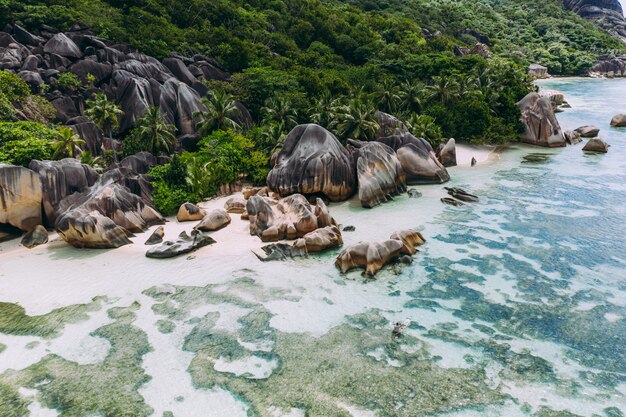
{"points": [[516, 306]]}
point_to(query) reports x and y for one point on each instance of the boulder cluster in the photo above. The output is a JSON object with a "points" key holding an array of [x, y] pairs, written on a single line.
{"points": [[608, 14]]}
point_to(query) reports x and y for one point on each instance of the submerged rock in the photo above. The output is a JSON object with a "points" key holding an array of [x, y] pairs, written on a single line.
{"points": [[417, 158], [379, 172], [156, 237], [619, 120], [446, 153], [589, 131], [182, 245], [289, 218], [452, 202], [189, 212], [20, 197], [38, 236], [541, 126], [596, 145], [214, 220], [462, 195], [413, 193], [372, 256], [313, 161], [348, 229]]}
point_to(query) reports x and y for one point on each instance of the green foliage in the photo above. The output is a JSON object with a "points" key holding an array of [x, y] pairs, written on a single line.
{"points": [[12, 90], [21, 142], [153, 133], [68, 80], [66, 143]]}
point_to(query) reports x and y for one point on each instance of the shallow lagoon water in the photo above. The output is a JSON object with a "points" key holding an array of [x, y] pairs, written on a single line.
{"points": [[515, 306]]}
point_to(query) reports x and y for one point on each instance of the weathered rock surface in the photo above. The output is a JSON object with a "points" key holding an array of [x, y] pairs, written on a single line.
{"points": [[452, 202], [37, 236], [156, 237], [538, 72], [190, 213], [316, 241], [596, 145], [619, 120], [608, 14], [379, 172], [413, 193], [572, 137], [289, 218], [588, 131], [214, 220], [20, 197], [60, 179], [610, 67], [313, 161], [372, 256], [462, 195], [63, 46], [541, 126], [235, 204], [104, 216], [417, 158], [446, 153], [182, 245]]}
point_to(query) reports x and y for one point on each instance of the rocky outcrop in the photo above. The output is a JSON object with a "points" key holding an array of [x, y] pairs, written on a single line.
{"points": [[540, 124], [214, 220], [607, 14], [478, 49], [589, 131], [417, 158], [182, 245], [316, 241], [388, 124], [189, 212], [372, 256], [60, 179], [312, 162], [572, 137], [619, 120], [610, 67], [379, 172], [104, 216], [20, 197], [596, 145], [446, 153], [289, 218], [37, 236], [537, 72], [156, 237]]}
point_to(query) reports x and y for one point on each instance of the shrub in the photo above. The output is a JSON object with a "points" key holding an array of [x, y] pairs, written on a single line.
{"points": [[21, 142]]}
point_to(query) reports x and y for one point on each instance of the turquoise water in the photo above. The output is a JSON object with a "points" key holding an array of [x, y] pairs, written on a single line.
{"points": [[516, 306]]}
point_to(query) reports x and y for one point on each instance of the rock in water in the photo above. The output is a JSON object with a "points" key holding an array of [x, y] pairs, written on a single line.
{"points": [[313, 161], [588, 131], [452, 202], [184, 244], [316, 241], [277, 252], [104, 216], [189, 213], [596, 145], [214, 220], [289, 218], [38, 236], [236, 204], [446, 153], [156, 237], [462, 195], [474, 161], [619, 120], [20, 197], [413, 193], [541, 126], [372, 256], [417, 158], [379, 173], [61, 179], [573, 137]]}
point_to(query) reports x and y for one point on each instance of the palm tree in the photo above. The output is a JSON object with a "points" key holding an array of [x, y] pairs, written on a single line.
{"points": [[444, 90], [105, 114], [155, 132], [221, 113], [274, 135], [96, 162], [281, 110], [357, 120], [67, 143], [424, 126], [412, 94], [198, 176], [325, 111], [387, 96]]}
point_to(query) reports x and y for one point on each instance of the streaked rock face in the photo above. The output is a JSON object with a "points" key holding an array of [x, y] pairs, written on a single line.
{"points": [[182, 245], [313, 161], [37, 236], [608, 14], [214, 220], [446, 153], [596, 145], [380, 174], [417, 158], [20, 197], [189, 212], [319, 240], [289, 218], [541, 126]]}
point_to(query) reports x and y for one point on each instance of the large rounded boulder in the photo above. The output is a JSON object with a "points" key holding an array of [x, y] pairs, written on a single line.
{"points": [[313, 161], [541, 127], [379, 172], [417, 158], [20, 197], [289, 218]]}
